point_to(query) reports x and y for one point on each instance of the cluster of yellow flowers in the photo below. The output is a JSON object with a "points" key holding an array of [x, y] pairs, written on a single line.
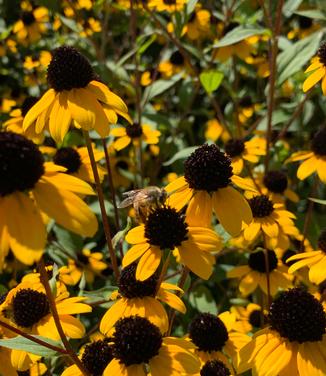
{"points": [[214, 268]]}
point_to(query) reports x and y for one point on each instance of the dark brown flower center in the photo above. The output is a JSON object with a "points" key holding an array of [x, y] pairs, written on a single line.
{"points": [[298, 316], [21, 163], [257, 261]]}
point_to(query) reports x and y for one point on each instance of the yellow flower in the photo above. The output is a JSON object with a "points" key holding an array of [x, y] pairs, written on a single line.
{"points": [[162, 356], [174, 65], [215, 337], [199, 24], [215, 130], [318, 67], [170, 6], [254, 274], [15, 123], [274, 184], [90, 26], [31, 25], [207, 186], [134, 134], [28, 308], [167, 229], [76, 161], [29, 187], [142, 298], [74, 96], [248, 318], [240, 151], [295, 342], [314, 160], [271, 221], [305, 27], [247, 109], [86, 262], [314, 260], [95, 356]]}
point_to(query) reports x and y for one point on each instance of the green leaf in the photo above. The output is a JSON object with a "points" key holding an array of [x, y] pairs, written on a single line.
{"points": [[22, 343], [71, 24], [146, 44], [290, 6], [211, 80], [238, 34], [317, 200], [68, 240], [119, 236], [159, 87], [202, 299], [315, 14], [296, 56], [182, 154]]}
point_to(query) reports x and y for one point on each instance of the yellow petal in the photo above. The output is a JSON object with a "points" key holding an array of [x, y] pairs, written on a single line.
{"points": [[60, 118], [66, 208], [307, 168], [172, 300], [231, 209], [25, 226], [136, 235], [112, 315], [198, 262], [69, 183], [134, 253], [313, 79], [199, 211], [38, 107], [148, 263]]}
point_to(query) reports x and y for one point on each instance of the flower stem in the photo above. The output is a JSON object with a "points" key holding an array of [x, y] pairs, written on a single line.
{"points": [[163, 271], [113, 192], [268, 282], [273, 50], [56, 318], [33, 339], [100, 195]]}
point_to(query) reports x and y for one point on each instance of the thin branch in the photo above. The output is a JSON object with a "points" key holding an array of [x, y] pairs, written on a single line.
{"points": [[56, 318], [100, 195], [33, 339]]}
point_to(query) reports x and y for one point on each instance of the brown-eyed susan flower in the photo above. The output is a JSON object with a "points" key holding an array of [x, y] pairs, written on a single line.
{"points": [[199, 24], [215, 130], [27, 307], [77, 162], [90, 26], [32, 23], [247, 109], [75, 95], [206, 186], [87, 262], [215, 367], [142, 298], [167, 229], [174, 65], [270, 220], [254, 274], [249, 318], [30, 188], [314, 160], [15, 123], [215, 338], [138, 344], [134, 133], [170, 6], [274, 184], [295, 341], [314, 260], [305, 27], [318, 69], [239, 151], [95, 357]]}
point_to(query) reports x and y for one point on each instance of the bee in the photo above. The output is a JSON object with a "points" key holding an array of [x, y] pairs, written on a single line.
{"points": [[143, 200]]}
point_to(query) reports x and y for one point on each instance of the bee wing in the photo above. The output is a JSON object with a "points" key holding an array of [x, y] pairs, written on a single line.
{"points": [[126, 202], [131, 193]]}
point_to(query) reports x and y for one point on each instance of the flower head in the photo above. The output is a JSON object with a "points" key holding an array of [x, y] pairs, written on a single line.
{"points": [[75, 95]]}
